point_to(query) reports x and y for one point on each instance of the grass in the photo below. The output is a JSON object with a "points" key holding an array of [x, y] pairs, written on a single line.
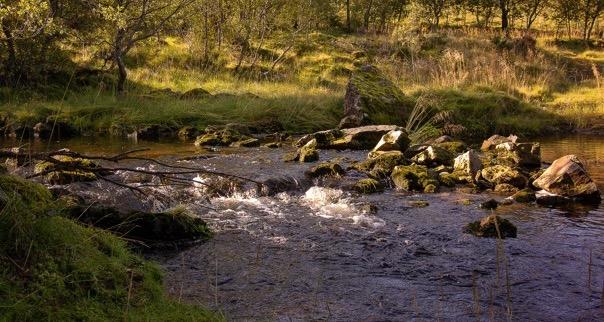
{"points": [[487, 87], [55, 269]]}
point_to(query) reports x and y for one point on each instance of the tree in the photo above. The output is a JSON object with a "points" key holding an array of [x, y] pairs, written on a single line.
{"points": [[124, 23], [531, 9], [434, 9]]}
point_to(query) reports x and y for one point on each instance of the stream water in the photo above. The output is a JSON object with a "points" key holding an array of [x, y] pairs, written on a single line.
{"points": [[313, 250]]}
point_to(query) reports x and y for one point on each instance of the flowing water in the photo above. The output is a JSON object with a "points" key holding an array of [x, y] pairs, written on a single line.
{"points": [[313, 250]]}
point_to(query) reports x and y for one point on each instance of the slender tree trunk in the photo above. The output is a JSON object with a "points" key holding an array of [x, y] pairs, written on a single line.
{"points": [[504, 16], [368, 15], [11, 63], [122, 74], [348, 25]]}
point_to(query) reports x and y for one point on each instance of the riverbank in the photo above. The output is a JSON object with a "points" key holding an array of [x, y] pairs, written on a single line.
{"points": [[57, 269], [488, 85]]}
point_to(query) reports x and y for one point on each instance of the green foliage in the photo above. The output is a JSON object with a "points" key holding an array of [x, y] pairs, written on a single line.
{"points": [[56, 269]]}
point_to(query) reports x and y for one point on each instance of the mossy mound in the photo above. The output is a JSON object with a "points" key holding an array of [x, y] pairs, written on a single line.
{"points": [[372, 97], [413, 177], [492, 227], [60, 270], [368, 186]]}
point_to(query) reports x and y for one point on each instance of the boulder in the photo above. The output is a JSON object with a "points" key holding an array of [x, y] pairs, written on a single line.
{"points": [[454, 147], [490, 143], [505, 188], [396, 140], [223, 137], [521, 154], [187, 133], [307, 153], [352, 121], [368, 186], [468, 163], [325, 169], [175, 225], [413, 177], [247, 143], [373, 98], [567, 177], [499, 174], [323, 138], [545, 198], [433, 156], [492, 227]]}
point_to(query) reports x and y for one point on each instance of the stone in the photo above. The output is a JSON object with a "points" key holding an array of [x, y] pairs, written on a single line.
{"points": [[381, 164], [431, 188], [567, 177], [492, 227], [524, 196], [309, 153], [490, 204], [352, 121], [368, 186], [499, 174], [247, 143], [468, 163], [521, 154], [442, 139], [324, 138], [545, 198], [419, 203], [222, 137], [396, 140], [187, 133], [454, 147], [326, 169], [490, 143], [67, 170], [371, 96], [433, 156], [361, 138], [413, 177]]}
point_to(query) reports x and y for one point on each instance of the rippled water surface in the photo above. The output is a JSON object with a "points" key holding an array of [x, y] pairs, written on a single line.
{"points": [[317, 251]]}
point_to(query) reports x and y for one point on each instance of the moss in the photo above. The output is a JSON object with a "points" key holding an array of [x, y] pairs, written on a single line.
{"points": [[447, 179], [431, 188], [488, 227], [413, 177], [222, 137], [454, 147], [247, 143], [73, 272], [419, 203], [368, 186], [309, 153], [326, 169], [499, 174], [55, 174], [382, 164]]}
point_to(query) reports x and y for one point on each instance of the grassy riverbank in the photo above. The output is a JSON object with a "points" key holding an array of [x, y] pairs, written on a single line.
{"points": [[489, 85], [55, 269]]}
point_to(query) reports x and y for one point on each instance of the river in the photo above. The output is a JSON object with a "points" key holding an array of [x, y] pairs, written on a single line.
{"points": [[313, 250]]}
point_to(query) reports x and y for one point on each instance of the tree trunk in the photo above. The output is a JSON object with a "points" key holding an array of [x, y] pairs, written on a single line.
{"points": [[348, 26], [368, 15], [11, 63], [504, 15], [122, 74]]}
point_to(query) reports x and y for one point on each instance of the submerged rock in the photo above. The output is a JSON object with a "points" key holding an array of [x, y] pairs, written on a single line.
{"points": [[468, 163], [396, 140], [499, 174], [368, 186], [524, 196], [492, 227], [373, 99], [490, 204], [326, 169], [413, 177], [567, 177]]}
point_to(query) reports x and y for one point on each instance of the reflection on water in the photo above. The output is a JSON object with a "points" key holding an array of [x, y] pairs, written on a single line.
{"points": [[316, 253]]}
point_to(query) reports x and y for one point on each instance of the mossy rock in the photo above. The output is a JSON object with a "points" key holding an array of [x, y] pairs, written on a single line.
{"points": [[525, 196], [433, 156], [431, 188], [372, 96], [61, 173], [447, 179], [307, 153], [326, 169], [499, 174], [175, 225], [505, 188], [222, 137], [382, 164], [368, 186], [454, 147], [413, 177], [187, 133], [247, 143], [419, 203], [489, 226]]}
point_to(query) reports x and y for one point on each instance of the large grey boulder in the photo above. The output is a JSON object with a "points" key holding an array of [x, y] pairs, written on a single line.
{"points": [[396, 140], [468, 163], [567, 177]]}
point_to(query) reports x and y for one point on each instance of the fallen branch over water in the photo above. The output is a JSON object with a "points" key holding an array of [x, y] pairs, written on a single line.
{"points": [[173, 174]]}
